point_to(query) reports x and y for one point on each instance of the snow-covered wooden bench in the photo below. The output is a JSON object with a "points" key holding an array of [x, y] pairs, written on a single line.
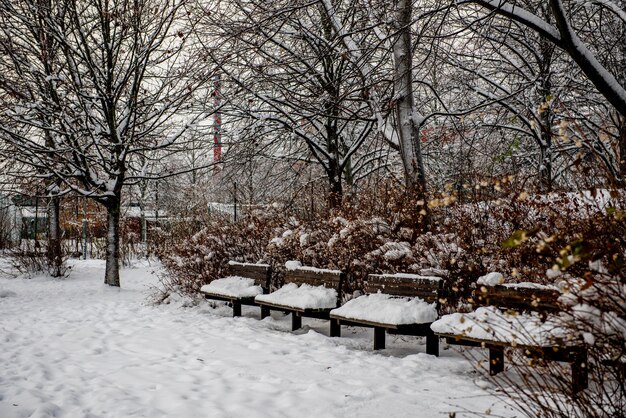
{"points": [[244, 282], [522, 316], [396, 303], [308, 292]]}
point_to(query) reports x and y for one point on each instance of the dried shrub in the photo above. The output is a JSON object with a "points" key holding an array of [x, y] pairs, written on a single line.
{"points": [[31, 258], [575, 240], [202, 255]]}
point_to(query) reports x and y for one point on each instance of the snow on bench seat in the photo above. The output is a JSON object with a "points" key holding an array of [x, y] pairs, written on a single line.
{"points": [[249, 265], [308, 292], [388, 310], [301, 297], [409, 276], [491, 324], [233, 287], [399, 303], [242, 283], [519, 316]]}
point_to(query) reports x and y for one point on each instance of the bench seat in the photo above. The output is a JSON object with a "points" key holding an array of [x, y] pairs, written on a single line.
{"points": [[494, 325], [244, 282], [232, 287], [520, 316], [300, 298], [308, 292], [397, 303], [386, 310]]}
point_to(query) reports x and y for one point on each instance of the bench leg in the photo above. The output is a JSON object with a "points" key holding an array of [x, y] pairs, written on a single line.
{"points": [[579, 371], [379, 338], [236, 308], [296, 321], [432, 345], [265, 312], [496, 360], [335, 328]]}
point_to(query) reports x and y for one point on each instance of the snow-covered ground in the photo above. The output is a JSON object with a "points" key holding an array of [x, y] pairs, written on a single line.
{"points": [[78, 348]]}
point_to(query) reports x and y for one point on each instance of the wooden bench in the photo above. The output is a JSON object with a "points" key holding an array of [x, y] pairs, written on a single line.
{"points": [[398, 304], [244, 282], [308, 292], [521, 317]]}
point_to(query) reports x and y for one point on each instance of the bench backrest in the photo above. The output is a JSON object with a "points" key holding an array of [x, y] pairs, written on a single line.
{"points": [[428, 288], [333, 279], [524, 299], [260, 273]]}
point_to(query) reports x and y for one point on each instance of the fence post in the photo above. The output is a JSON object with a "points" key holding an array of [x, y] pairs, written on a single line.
{"points": [[235, 201], [85, 229]]}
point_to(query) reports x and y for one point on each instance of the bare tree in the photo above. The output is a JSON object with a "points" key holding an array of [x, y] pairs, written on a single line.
{"points": [[598, 51], [121, 91], [288, 64]]}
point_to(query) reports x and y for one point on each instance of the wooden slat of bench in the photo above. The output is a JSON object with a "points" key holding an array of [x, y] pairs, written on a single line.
{"points": [[518, 298], [576, 355], [280, 307], [362, 322], [486, 342], [243, 300], [426, 289], [260, 273], [325, 278]]}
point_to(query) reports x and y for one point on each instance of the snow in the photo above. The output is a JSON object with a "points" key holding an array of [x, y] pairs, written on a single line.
{"points": [[237, 263], [78, 348], [529, 285], [434, 272], [396, 250], [492, 324], [233, 286], [409, 276], [387, 309], [302, 297], [293, 265], [296, 265], [6, 293], [497, 279], [490, 279]]}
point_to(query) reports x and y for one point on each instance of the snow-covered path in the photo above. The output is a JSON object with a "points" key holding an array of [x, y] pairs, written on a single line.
{"points": [[77, 348]]}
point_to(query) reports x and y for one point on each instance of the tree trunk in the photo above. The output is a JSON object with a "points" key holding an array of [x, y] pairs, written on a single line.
{"points": [[407, 116], [54, 252], [336, 190], [621, 146], [408, 119], [621, 151], [546, 116], [334, 171], [112, 273]]}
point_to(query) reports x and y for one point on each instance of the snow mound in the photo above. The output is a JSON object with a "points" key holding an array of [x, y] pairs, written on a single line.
{"points": [[293, 265], [6, 294], [491, 279], [296, 265], [396, 250], [492, 324], [302, 297], [409, 276], [233, 286], [237, 263], [386, 309], [528, 285]]}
